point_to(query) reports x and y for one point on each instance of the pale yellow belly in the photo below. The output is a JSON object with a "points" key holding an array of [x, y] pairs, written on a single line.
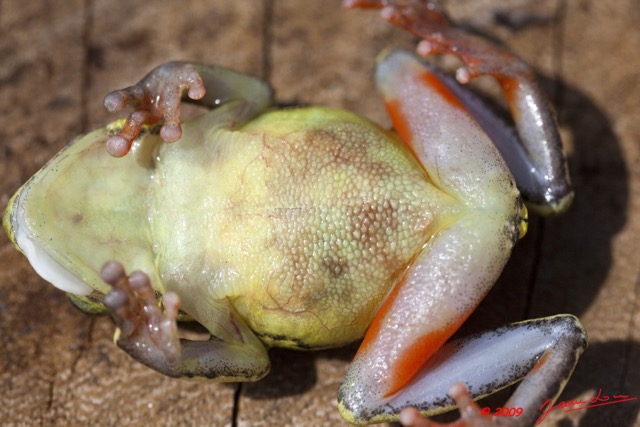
{"points": [[307, 221]]}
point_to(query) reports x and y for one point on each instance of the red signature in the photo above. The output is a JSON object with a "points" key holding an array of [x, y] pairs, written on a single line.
{"points": [[572, 405]]}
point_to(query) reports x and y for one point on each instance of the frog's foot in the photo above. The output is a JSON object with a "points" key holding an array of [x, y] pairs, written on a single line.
{"points": [[144, 331], [470, 413], [157, 96]]}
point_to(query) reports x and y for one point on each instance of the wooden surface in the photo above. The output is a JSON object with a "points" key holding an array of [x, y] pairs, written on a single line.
{"points": [[58, 59]]}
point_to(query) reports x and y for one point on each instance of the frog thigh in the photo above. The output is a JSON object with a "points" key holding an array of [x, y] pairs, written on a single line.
{"points": [[534, 153], [439, 291]]}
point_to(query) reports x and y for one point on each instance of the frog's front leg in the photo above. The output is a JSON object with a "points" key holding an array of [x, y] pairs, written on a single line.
{"points": [[534, 155], [158, 95], [233, 353]]}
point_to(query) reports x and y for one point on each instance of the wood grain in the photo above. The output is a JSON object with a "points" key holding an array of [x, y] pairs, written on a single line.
{"points": [[58, 59]]}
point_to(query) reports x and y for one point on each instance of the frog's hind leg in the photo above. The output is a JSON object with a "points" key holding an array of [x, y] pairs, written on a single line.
{"points": [[158, 96], [150, 335], [443, 286], [534, 154], [540, 352]]}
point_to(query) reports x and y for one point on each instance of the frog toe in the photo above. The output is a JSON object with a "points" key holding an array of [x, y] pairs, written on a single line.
{"points": [[144, 331], [156, 97], [470, 413], [119, 144], [150, 335]]}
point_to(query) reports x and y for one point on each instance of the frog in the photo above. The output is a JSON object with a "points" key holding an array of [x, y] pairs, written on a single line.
{"points": [[312, 227]]}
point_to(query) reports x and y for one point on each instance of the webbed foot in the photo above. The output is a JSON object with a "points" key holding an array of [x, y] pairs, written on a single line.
{"points": [[144, 331], [470, 413], [157, 96]]}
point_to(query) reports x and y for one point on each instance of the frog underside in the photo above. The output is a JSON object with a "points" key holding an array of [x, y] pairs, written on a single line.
{"points": [[303, 219], [310, 217], [305, 227]]}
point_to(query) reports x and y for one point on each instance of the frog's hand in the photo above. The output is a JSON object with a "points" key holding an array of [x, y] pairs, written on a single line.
{"points": [[158, 95], [151, 337], [535, 155]]}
